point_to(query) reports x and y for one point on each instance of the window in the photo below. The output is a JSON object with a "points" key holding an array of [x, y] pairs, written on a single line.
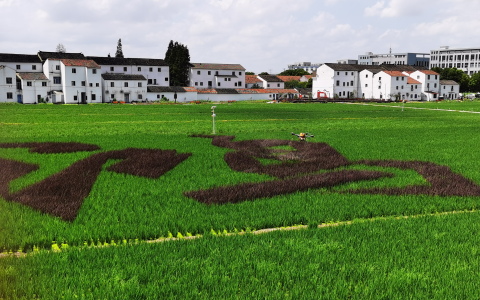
{"points": [[112, 69], [379, 87], [209, 72], [112, 84], [352, 73], [397, 78], [216, 72], [159, 69], [397, 87], [124, 69], [196, 83], [97, 84], [198, 72], [90, 84], [403, 78], [434, 85], [29, 83], [139, 69], [34, 67], [9, 80], [149, 81], [74, 70], [379, 78], [112, 96], [351, 83], [428, 77], [338, 73], [57, 80], [73, 83], [268, 85], [75, 98], [94, 71], [18, 67], [201, 83], [9, 95], [366, 75], [436, 76], [166, 78], [346, 73], [154, 81], [233, 73], [57, 68], [210, 83], [343, 83], [366, 85], [240, 83], [278, 84], [140, 97], [158, 96], [428, 85], [150, 70], [219, 84], [125, 84], [348, 83], [94, 97], [338, 82], [83, 83], [239, 73], [44, 83], [402, 87], [226, 79], [139, 84]]}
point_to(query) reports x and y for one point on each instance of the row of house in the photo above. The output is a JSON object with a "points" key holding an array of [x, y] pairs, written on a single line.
{"points": [[387, 82]]}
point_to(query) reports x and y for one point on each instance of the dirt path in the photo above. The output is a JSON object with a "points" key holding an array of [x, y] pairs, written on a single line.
{"points": [[261, 231]]}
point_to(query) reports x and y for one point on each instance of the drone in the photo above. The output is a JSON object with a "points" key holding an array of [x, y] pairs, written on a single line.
{"points": [[303, 136]]}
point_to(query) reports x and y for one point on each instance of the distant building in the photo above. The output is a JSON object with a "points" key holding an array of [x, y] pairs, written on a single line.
{"points": [[271, 82], [465, 59], [307, 66], [348, 61], [449, 89], [206, 75], [408, 59]]}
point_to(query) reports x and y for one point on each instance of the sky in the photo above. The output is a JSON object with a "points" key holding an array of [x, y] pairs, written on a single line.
{"points": [[261, 35]]}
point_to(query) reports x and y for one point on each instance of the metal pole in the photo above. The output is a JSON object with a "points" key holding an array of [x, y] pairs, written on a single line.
{"points": [[213, 115]]}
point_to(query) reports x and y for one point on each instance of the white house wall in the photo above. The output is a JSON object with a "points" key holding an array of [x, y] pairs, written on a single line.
{"points": [[119, 90], [162, 77], [207, 75], [82, 74], [181, 97], [7, 72], [24, 67]]}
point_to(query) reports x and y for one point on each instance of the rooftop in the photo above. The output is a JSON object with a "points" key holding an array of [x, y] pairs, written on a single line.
{"points": [[250, 79], [270, 78], [448, 82], [80, 63], [20, 58], [118, 61], [410, 80], [59, 55], [290, 78], [209, 66], [31, 76], [165, 89]]}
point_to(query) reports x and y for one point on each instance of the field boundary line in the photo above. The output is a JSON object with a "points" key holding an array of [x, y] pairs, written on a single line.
{"points": [[399, 106], [256, 232]]}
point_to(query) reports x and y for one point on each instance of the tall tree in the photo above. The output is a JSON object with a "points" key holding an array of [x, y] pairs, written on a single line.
{"points": [[178, 60], [119, 52], [61, 48]]}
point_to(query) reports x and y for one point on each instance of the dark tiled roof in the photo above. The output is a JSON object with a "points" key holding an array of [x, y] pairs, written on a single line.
{"points": [[165, 89], [270, 78], [59, 55], [230, 76], [118, 61], [448, 82], [226, 91], [303, 91], [20, 58], [110, 76], [31, 76], [218, 66], [80, 63]]}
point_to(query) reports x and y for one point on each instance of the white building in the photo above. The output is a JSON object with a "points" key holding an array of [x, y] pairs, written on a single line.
{"points": [[156, 71], [184, 94], [217, 76], [336, 80], [124, 87], [430, 83], [21, 62], [449, 89], [306, 66], [411, 59], [8, 85], [271, 82], [465, 59], [414, 90], [33, 87], [252, 81]]}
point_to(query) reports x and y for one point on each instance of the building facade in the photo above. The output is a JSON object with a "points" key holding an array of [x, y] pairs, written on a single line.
{"points": [[204, 75], [465, 59], [306, 66], [407, 59]]}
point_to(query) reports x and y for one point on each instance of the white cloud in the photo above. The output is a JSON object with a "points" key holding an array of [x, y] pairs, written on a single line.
{"points": [[5, 3], [398, 8]]}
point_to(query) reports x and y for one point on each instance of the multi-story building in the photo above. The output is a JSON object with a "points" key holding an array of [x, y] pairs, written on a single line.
{"points": [[348, 61], [449, 89], [271, 82], [465, 59], [156, 71], [217, 76], [32, 86], [306, 66], [124, 87], [407, 59]]}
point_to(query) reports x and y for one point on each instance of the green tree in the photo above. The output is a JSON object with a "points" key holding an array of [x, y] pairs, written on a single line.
{"points": [[474, 83], [178, 59], [456, 75], [296, 72], [264, 73], [119, 52], [291, 84], [249, 73], [310, 83]]}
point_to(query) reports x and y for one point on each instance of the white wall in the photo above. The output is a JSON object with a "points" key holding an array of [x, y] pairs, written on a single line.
{"points": [[181, 97], [366, 84], [82, 74], [24, 67], [162, 77], [31, 93], [448, 91], [119, 90], [324, 81], [207, 75], [7, 72]]}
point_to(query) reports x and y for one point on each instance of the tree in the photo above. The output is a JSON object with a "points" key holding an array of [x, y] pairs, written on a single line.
{"points": [[61, 48], [264, 73], [456, 75], [474, 83], [256, 86], [310, 83], [178, 59], [296, 72], [119, 52], [291, 84], [249, 73]]}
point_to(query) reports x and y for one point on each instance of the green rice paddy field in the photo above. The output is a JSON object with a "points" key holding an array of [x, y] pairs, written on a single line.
{"points": [[379, 255]]}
